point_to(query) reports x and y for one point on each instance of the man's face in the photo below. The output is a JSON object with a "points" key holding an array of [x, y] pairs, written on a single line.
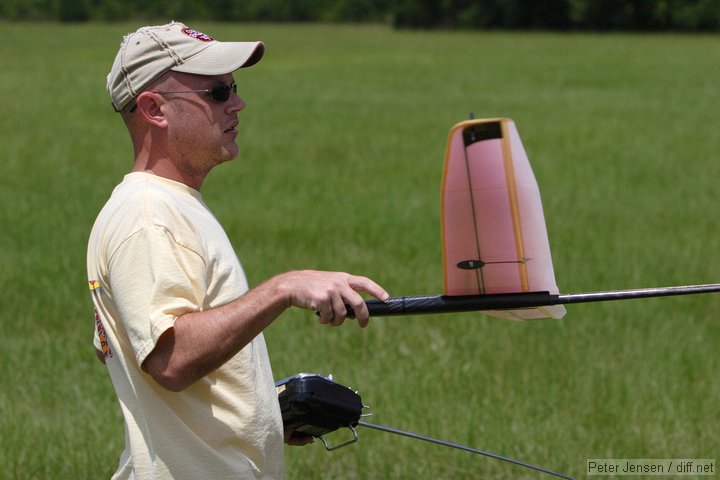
{"points": [[201, 130]]}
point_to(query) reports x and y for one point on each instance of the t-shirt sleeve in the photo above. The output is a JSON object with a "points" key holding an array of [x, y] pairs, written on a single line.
{"points": [[154, 279]]}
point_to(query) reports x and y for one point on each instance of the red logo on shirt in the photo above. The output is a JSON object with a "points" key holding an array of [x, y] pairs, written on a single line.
{"points": [[102, 335], [107, 351]]}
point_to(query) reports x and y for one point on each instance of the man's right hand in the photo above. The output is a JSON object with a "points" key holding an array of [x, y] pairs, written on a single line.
{"points": [[328, 292]]}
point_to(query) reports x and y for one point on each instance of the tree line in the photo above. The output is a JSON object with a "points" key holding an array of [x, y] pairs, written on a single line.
{"points": [[599, 15]]}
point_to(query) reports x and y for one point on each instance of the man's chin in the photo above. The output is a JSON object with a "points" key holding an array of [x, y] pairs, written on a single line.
{"points": [[230, 153]]}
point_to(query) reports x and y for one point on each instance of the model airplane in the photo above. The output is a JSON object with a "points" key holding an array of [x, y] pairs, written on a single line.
{"points": [[496, 254]]}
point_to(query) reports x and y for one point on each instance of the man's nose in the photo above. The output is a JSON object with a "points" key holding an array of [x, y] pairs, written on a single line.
{"points": [[236, 103]]}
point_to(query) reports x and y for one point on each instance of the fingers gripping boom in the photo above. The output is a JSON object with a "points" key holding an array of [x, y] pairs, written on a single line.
{"points": [[330, 293]]}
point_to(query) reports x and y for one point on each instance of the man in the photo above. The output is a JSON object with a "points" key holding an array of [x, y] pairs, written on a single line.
{"points": [[176, 325]]}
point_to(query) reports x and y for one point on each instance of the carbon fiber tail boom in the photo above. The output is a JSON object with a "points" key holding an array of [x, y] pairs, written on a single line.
{"points": [[436, 304]]}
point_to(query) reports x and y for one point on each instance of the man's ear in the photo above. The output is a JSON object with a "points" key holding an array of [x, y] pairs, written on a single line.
{"points": [[148, 105]]}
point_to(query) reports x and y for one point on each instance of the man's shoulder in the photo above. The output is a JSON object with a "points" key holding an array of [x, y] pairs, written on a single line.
{"points": [[142, 201], [154, 198]]}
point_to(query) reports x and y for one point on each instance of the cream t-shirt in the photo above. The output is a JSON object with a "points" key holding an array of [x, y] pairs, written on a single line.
{"points": [[156, 252]]}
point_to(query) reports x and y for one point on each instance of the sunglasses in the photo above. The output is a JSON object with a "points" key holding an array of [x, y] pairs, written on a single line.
{"points": [[219, 92]]}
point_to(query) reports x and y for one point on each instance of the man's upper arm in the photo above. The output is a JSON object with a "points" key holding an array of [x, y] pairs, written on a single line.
{"points": [[154, 281]]}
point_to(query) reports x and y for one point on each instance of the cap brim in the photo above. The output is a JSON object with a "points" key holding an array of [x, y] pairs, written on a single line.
{"points": [[220, 58]]}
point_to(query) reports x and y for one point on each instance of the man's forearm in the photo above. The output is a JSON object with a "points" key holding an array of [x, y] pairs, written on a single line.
{"points": [[200, 342]]}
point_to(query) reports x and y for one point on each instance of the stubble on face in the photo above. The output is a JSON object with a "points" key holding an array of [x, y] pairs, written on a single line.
{"points": [[201, 131]]}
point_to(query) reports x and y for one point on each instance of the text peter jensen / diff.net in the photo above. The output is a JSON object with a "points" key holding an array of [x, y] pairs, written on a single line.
{"points": [[645, 466]]}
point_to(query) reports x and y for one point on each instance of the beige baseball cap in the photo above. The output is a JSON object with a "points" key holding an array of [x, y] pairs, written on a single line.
{"points": [[151, 51]]}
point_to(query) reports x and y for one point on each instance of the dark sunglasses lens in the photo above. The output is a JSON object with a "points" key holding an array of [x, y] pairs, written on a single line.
{"points": [[222, 92]]}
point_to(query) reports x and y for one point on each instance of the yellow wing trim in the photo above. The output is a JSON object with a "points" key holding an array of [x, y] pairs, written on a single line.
{"points": [[514, 207]]}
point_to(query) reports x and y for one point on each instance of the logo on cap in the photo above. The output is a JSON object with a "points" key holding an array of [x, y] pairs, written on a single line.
{"points": [[197, 35]]}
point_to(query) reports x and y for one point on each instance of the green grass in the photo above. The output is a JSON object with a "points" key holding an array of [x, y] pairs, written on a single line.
{"points": [[342, 146]]}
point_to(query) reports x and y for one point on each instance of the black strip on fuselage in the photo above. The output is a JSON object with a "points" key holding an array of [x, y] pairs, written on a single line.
{"points": [[482, 131]]}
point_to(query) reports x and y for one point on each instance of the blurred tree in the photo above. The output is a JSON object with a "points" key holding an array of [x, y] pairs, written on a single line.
{"points": [[640, 15]]}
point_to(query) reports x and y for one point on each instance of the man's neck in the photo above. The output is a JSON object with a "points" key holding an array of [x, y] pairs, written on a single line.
{"points": [[169, 170]]}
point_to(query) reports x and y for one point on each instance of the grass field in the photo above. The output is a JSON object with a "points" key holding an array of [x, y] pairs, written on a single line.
{"points": [[342, 145]]}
